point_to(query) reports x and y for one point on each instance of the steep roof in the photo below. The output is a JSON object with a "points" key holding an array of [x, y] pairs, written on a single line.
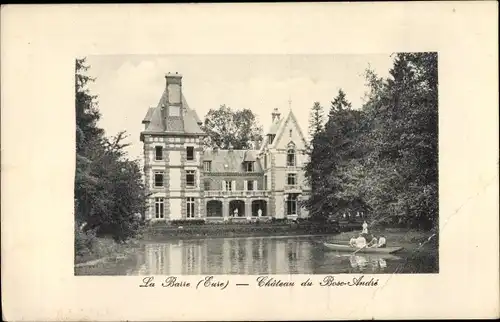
{"points": [[275, 126], [250, 156], [290, 118], [277, 129], [148, 116], [231, 160], [189, 123]]}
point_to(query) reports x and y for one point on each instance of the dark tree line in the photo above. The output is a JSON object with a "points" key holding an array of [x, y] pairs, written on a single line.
{"points": [[381, 159], [109, 192]]}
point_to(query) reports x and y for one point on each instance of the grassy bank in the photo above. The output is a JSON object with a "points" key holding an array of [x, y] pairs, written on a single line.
{"points": [[102, 249]]}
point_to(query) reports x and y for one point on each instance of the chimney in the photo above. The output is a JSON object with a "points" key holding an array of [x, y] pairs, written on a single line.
{"points": [[230, 147], [215, 149], [276, 115], [174, 88], [172, 105]]}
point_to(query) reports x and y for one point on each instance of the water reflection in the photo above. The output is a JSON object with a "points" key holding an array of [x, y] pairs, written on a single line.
{"points": [[249, 256], [254, 255], [225, 256]]}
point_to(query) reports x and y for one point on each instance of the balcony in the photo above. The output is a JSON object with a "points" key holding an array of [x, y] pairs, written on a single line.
{"points": [[236, 193], [293, 188]]}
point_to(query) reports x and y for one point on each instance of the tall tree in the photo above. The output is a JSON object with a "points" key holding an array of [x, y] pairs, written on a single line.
{"points": [[227, 127], [339, 103], [384, 157], [108, 187], [316, 120], [332, 146]]}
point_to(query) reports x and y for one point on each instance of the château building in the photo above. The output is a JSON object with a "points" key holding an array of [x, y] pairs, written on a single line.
{"points": [[186, 180]]}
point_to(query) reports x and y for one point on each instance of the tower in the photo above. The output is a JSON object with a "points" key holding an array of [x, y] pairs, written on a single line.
{"points": [[173, 156]]}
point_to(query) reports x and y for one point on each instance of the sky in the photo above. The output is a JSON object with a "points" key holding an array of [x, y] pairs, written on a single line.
{"points": [[127, 85]]}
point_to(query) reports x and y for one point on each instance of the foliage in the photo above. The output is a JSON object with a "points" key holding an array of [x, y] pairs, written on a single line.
{"points": [[109, 192], [227, 127], [187, 222], [316, 118], [382, 158]]}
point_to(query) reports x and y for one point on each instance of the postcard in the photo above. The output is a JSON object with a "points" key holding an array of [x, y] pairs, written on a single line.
{"points": [[250, 161]]}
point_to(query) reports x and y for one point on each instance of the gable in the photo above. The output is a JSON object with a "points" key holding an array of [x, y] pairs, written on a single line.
{"points": [[283, 137]]}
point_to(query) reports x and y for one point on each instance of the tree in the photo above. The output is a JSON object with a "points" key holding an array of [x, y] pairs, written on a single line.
{"points": [[384, 157], [316, 120], [339, 103], [108, 187], [332, 147], [226, 127], [402, 178]]}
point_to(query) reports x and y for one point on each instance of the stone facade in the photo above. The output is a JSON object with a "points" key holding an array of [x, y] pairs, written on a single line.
{"points": [[214, 185]]}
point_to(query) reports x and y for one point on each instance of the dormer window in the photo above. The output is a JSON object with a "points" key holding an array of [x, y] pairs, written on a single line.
{"points": [[207, 165], [174, 111], [271, 138], [249, 166]]}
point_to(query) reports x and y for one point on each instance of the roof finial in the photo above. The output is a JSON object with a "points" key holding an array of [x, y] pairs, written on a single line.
{"points": [[290, 102]]}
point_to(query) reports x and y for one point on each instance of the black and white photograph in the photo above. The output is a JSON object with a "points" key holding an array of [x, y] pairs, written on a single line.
{"points": [[250, 161], [256, 164]]}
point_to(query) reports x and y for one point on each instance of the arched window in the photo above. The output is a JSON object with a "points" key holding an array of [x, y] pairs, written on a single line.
{"points": [[290, 158]]}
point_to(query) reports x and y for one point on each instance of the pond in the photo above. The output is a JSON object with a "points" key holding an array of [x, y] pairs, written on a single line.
{"points": [[256, 256]]}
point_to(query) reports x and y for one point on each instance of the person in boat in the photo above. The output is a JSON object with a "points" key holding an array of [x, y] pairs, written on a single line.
{"points": [[382, 243], [352, 242], [365, 228], [360, 241], [373, 242]]}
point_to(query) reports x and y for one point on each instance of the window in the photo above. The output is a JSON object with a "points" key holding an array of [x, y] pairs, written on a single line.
{"points": [[290, 158], [265, 161], [190, 182], [271, 138], [190, 207], [249, 166], [229, 186], [159, 209], [291, 204], [292, 179], [158, 153], [174, 111], [190, 153], [265, 182], [158, 179], [290, 132], [207, 165], [250, 185], [206, 185]]}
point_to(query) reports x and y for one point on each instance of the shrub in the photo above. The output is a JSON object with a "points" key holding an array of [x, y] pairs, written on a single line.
{"points": [[84, 241], [188, 222]]}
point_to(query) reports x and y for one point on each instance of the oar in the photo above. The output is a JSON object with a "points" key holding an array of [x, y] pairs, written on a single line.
{"points": [[359, 249]]}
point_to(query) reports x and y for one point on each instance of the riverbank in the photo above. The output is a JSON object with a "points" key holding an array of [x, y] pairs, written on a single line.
{"points": [[226, 230], [105, 249]]}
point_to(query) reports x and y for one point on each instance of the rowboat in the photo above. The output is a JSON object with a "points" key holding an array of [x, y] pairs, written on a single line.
{"points": [[366, 250]]}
